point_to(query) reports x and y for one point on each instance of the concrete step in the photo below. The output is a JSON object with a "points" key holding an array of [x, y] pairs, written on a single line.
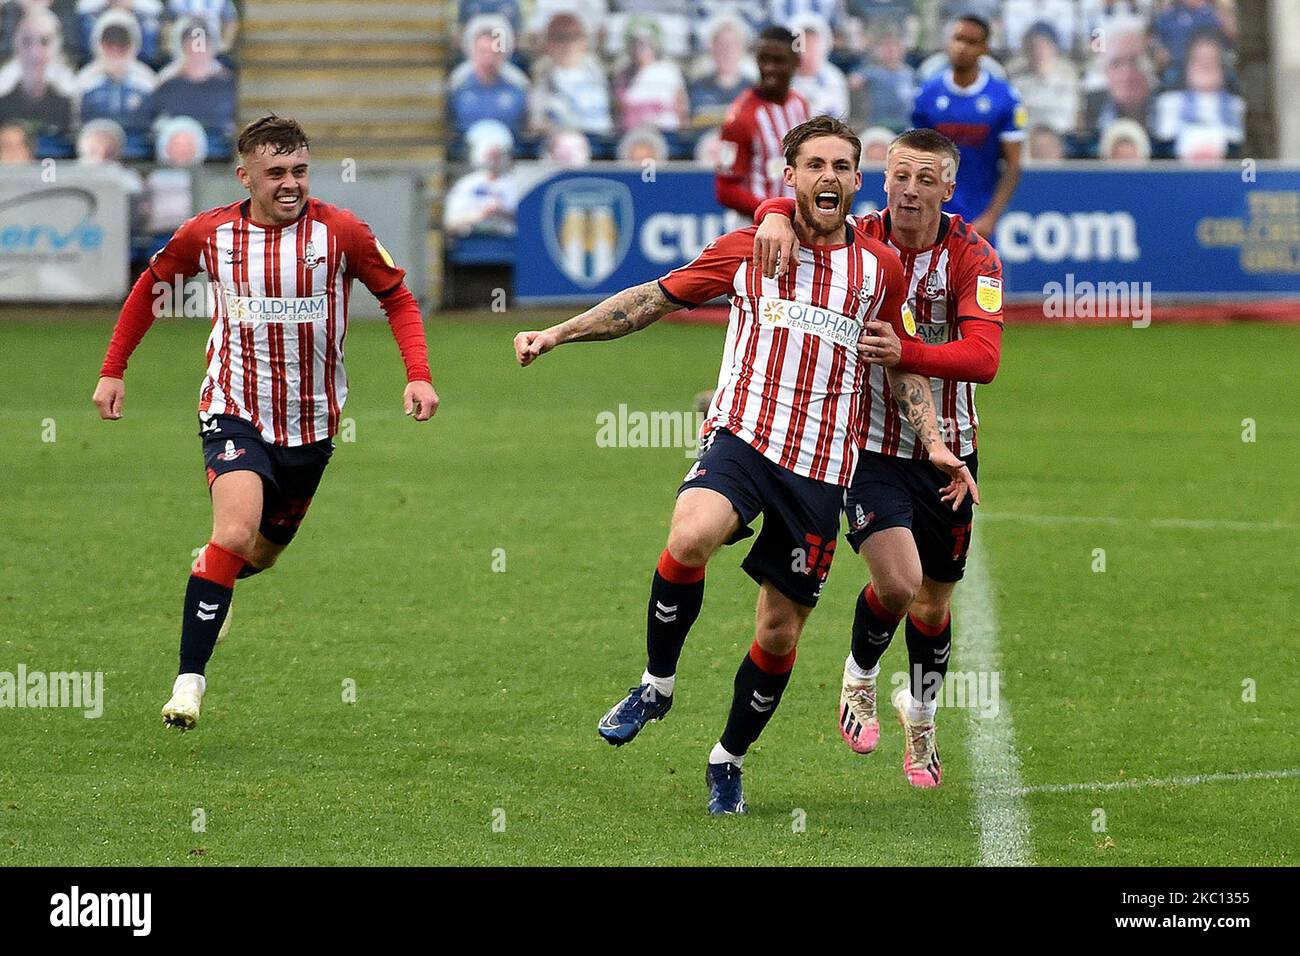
{"points": [[314, 15], [339, 56], [290, 78], [434, 36], [324, 151], [368, 80], [322, 117], [346, 107], [414, 131]]}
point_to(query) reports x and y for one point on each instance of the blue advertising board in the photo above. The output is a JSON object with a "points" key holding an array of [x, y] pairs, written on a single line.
{"points": [[1218, 233]]}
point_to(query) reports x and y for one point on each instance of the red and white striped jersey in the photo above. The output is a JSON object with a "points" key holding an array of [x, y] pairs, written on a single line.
{"points": [[956, 279], [750, 145], [791, 384], [279, 303]]}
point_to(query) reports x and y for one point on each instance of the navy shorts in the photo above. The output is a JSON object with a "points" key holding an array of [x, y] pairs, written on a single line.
{"points": [[892, 492], [801, 516], [290, 476]]}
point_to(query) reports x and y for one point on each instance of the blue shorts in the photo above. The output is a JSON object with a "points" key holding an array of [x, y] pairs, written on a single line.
{"points": [[290, 475], [892, 492], [801, 516]]}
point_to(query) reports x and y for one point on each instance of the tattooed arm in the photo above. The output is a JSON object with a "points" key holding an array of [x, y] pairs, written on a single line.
{"points": [[916, 402], [621, 314]]}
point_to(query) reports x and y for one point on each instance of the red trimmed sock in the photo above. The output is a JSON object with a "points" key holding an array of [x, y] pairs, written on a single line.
{"points": [[676, 596], [207, 602], [760, 682], [873, 629]]}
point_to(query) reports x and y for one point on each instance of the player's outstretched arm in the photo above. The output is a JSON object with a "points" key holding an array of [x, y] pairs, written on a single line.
{"points": [[135, 319], [916, 401], [621, 314]]}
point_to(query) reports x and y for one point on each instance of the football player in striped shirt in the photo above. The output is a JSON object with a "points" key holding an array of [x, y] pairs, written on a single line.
{"points": [[781, 438], [280, 267], [915, 546], [751, 159]]}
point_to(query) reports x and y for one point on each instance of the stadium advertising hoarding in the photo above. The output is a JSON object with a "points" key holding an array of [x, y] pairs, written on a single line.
{"points": [[63, 237], [1228, 232]]}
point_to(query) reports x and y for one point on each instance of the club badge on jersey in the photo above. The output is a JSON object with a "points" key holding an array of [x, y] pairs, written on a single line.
{"points": [[310, 258], [932, 287]]}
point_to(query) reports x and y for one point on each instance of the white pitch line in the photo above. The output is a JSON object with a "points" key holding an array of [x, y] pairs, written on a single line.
{"points": [[995, 768], [1193, 524], [1190, 781]]}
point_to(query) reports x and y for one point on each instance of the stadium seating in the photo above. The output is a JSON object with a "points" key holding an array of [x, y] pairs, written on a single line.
{"points": [[365, 79], [1067, 93]]}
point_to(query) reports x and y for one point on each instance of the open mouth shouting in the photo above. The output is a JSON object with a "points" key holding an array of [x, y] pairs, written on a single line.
{"points": [[827, 200]]}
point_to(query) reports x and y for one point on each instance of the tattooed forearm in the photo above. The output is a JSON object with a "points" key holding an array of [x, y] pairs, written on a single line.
{"points": [[621, 314], [912, 392]]}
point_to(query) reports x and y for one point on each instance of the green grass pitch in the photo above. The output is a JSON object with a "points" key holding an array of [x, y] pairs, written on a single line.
{"points": [[472, 737]]}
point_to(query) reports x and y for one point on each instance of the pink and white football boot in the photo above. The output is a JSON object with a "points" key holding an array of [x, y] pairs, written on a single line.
{"points": [[920, 753], [859, 725]]}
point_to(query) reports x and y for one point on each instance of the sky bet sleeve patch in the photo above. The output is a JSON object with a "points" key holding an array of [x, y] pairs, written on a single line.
{"points": [[989, 293]]}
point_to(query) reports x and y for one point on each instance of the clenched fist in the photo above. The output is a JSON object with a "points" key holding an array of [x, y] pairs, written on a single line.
{"points": [[108, 397], [529, 345], [420, 401]]}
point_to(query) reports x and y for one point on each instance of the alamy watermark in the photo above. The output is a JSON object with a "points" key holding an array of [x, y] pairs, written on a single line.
{"points": [[132, 911], [75, 690], [627, 428], [964, 690], [1098, 300]]}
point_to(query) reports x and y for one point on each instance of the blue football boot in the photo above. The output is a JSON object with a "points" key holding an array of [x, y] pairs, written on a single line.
{"points": [[626, 718], [725, 794]]}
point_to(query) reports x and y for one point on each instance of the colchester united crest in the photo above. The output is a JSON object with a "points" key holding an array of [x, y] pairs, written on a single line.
{"points": [[587, 225]]}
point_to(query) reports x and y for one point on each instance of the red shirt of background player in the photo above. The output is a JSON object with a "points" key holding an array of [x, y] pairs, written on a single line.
{"points": [[751, 163]]}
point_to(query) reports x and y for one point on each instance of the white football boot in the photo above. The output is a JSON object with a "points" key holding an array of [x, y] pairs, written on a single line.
{"points": [[182, 711]]}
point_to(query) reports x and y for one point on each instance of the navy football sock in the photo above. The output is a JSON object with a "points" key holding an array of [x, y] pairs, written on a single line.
{"points": [[873, 629]]}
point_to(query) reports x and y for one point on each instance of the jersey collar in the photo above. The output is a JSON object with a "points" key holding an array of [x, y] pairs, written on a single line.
{"points": [[246, 213], [945, 221], [978, 86]]}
